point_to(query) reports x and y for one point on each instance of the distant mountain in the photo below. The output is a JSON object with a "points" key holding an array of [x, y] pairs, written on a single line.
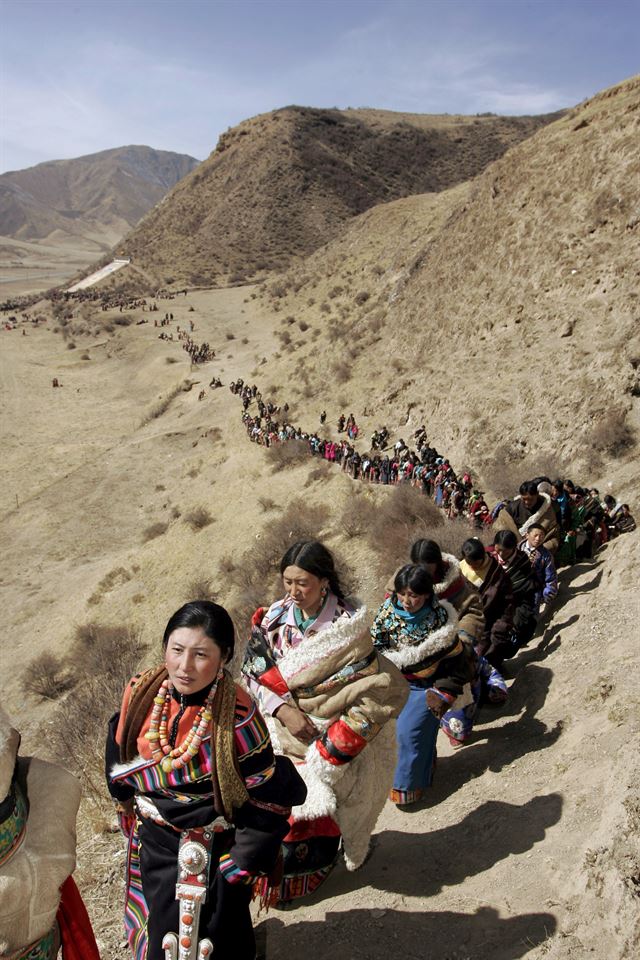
{"points": [[280, 185], [98, 197]]}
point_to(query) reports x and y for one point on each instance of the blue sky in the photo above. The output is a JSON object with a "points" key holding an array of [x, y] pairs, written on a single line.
{"points": [[78, 76]]}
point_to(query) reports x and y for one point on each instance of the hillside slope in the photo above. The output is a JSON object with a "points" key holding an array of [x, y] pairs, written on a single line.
{"points": [[101, 193], [509, 325], [279, 185]]}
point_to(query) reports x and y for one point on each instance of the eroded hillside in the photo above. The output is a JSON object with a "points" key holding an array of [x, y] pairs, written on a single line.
{"points": [[509, 323], [279, 185]]}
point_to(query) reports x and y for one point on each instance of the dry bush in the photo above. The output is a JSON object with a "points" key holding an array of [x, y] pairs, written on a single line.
{"points": [[155, 530], [357, 516], [114, 578], [341, 371], [335, 292], [171, 360], [46, 677], [267, 503], [200, 588], [303, 325], [198, 518], [321, 472], [71, 345], [230, 336], [287, 454], [399, 519], [104, 660], [85, 356], [361, 297], [162, 404], [612, 434], [227, 564]]}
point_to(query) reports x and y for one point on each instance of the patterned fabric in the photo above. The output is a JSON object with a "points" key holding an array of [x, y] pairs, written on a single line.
{"points": [[44, 949], [274, 633], [416, 643], [14, 822], [458, 722], [164, 800]]}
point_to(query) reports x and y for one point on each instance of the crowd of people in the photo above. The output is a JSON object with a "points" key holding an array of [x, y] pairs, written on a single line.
{"points": [[275, 778]]}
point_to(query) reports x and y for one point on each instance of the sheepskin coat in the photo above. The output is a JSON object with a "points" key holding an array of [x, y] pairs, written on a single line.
{"points": [[31, 877], [334, 676], [516, 517]]}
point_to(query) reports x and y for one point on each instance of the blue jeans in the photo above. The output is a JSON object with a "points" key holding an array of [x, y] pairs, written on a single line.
{"points": [[416, 733]]}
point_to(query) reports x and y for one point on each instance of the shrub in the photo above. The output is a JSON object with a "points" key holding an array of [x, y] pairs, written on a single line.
{"points": [[46, 677], [104, 658], [171, 360], [71, 345], [114, 578], [200, 589], [287, 454], [155, 530], [356, 517], [198, 518], [341, 371], [612, 434], [230, 336], [303, 325], [163, 403], [398, 520], [267, 503], [362, 297]]}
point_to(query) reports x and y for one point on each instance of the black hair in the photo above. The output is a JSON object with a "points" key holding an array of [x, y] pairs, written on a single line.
{"points": [[506, 538], [529, 486], [535, 526], [539, 480], [473, 549], [214, 620], [313, 556], [558, 484], [414, 577], [427, 551], [609, 500], [570, 484]]}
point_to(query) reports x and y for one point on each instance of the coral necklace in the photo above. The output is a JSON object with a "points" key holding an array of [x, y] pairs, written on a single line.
{"points": [[161, 750]]}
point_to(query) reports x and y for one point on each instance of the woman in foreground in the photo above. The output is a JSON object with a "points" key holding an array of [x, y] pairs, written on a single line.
{"points": [[419, 634], [328, 697], [202, 798]]}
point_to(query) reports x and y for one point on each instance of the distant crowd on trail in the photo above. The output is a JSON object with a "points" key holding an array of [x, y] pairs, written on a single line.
{"points": [[585, 520]]}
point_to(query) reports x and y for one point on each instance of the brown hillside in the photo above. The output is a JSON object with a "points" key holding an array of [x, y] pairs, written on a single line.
{"points": [[281, 184], [112, 189], [510, 324]]}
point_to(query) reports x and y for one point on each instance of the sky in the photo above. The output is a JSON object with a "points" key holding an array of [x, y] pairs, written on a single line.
{"points": [[79, 76]]}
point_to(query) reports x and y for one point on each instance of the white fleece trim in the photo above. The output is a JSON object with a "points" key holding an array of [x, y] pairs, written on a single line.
{"points": [[451, 575], [9, 743], [440, 639], [537, 516], [317, 647]]}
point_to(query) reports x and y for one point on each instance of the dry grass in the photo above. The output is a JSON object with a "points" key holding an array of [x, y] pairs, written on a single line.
{"points": [[398, 520], [154, 531], [281, 456], [198, 518], [47, 677], [162, 404]]}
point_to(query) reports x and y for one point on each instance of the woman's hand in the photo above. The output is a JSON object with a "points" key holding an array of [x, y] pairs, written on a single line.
{"points": [[298, 725], [437, 705]]}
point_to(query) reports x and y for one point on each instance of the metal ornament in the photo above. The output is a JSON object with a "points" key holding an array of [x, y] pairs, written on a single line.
{"points": [[194, 856]]}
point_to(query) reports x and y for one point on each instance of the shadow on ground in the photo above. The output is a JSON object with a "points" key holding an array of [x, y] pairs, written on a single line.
{"points": [[381, 934]]}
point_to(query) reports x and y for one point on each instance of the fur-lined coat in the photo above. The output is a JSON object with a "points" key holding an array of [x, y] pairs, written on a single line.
{"points": [[350, 692], [516, 517], [424, 646]]}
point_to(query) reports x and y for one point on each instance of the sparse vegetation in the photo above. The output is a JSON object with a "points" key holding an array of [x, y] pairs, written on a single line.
{"points": [[198, 518], [154, 531], [47, 677]]}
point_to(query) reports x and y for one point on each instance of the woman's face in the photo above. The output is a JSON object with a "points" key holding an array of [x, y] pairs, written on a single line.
{"points": [[432, 568], [412, 602], [304, 588], [505, 553], [192, 658]]}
